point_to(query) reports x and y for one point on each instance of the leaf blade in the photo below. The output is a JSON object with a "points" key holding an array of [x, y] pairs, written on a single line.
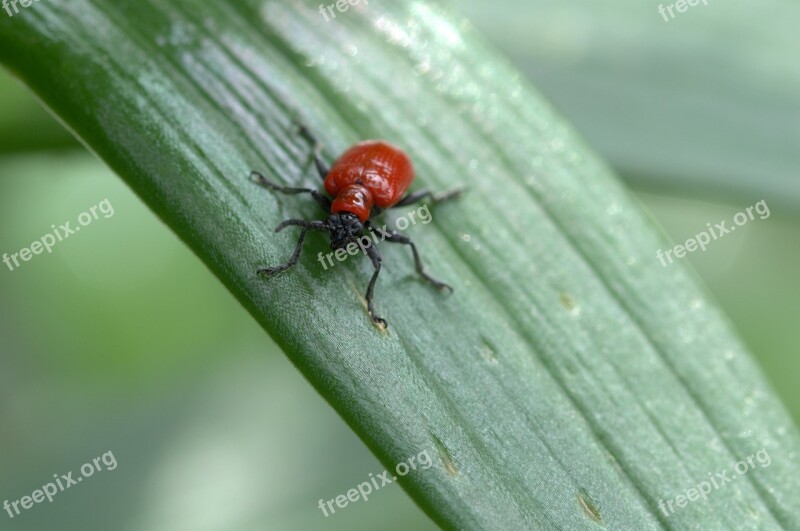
{"points": [[526, 383]]}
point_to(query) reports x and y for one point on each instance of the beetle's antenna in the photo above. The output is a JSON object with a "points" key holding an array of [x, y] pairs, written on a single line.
{"points": [[308, 225]]}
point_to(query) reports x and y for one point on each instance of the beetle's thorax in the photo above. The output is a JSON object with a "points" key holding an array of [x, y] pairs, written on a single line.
{"points": [[355, 199]]}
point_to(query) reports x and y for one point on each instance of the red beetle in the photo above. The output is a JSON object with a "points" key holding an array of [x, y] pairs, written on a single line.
{"points": [[371, 173], [368, 178]]}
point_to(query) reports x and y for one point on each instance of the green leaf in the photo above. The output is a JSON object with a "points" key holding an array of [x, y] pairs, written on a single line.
{"points": [[707, 104], [570, 381], [25, 125]]}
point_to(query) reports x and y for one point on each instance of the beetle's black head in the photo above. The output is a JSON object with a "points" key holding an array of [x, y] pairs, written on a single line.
{"points": [[344, 228]]}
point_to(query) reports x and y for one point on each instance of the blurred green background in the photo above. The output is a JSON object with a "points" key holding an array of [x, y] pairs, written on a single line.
{"points": [[121, 340]]}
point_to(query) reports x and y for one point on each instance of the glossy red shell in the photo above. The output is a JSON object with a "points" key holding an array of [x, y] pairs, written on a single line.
{"points": [[355, 199], [371, 173]]}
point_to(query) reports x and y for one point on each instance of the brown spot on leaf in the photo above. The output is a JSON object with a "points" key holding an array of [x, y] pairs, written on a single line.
{"points": [[444, 455], [488, 351], [589, 508], [567, 301]]}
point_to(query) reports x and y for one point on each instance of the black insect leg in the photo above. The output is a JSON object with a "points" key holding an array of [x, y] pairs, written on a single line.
{"points": [[375, 256], [410, 199], [397, 238], [321, 200], [316, 148], [306, 226]]}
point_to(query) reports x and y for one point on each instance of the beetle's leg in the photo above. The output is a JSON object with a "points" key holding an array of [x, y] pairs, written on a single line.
{"points": [[321, 200], [398, 238], [375, 256], [322, 168], [316, 148], [412, 198], [306, 226]]}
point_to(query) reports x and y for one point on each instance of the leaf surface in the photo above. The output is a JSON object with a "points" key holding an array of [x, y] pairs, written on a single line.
{"points": [[570, 381]]}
